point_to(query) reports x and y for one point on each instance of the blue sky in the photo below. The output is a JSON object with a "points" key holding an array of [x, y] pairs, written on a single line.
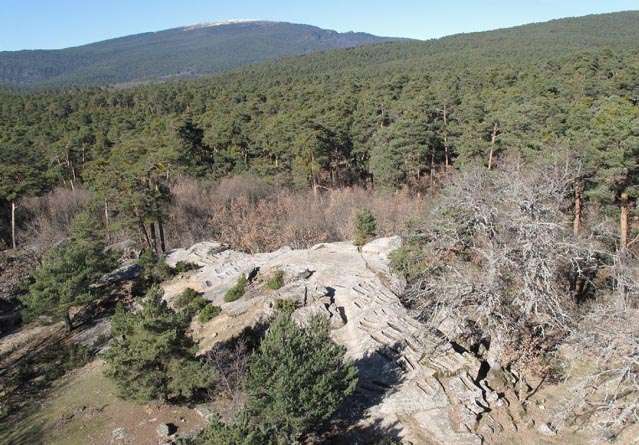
{"points": [[28, 24]]}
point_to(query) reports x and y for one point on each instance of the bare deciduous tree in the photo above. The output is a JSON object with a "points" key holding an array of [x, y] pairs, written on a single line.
{"points": [[502, 267], [504, 256]]}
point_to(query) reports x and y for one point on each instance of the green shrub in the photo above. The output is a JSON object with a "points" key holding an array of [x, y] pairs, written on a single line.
{"points": [[237, 291], [276, 280], [185, 298], [208, 313], [152, 357], [365, 227], [67, 272], [298, 378], [154, 270], [184, 266], [77, 355], [408, 260], [195, 307], [240, 432], [189, 303], [286, 306]]}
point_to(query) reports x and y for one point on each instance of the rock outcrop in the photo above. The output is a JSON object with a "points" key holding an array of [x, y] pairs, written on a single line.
{"points": [[412, 380]]}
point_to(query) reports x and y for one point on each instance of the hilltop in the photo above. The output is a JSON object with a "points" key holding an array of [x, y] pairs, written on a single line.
{"points": [[188, 51]]}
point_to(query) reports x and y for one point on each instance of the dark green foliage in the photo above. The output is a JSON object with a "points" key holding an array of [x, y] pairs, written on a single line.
{"points": [[237, 291], [23, 172], [397, 114], [68, 271], [240, 432], [193, 155], [183, 267], [276, 280], [297, 380], [190, 303], [386, 160], [286, 306], [187, 297], [154, 269], [613, 143], [365, 227], [387, 441], [152, 356], [208, 313], [408, 260]]}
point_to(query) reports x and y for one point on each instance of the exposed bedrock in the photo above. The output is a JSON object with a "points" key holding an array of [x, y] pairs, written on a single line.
{"points": [[411, 379]]}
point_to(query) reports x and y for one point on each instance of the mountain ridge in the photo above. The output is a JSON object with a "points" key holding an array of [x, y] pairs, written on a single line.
{"points": [[187, 51]]}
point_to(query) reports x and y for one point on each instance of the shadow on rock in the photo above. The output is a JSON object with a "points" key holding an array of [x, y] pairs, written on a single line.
{"points": [[380, 373]]}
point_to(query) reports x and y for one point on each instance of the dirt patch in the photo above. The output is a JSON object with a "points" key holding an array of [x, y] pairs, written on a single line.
{"points": [[13, 346], [84, 409]]}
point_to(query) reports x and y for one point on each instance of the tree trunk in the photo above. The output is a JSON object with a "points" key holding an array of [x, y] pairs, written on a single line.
{"points": [[161, 230], [432, 166], [144, 232], [70, 167], [623, 224], [64, 180], [493, 140], [579, 188], [68, 325], [154, 238], [446, 158], [160, 224], [313, 178], [13, 224], [107, 223]]}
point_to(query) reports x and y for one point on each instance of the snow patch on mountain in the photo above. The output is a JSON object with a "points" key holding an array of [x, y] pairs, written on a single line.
{"points": [[222, 23]]}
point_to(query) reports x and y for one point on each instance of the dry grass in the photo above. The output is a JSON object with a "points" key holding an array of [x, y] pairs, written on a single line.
{"points": [[245, 212], [83, 408], [49, 217], [253, 216]]}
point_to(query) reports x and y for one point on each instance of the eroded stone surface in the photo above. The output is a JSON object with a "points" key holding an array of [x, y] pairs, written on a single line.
{"points": [[440, 398]]}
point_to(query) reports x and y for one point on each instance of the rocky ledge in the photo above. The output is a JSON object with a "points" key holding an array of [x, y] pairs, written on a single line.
{"points": [[412, 380]]}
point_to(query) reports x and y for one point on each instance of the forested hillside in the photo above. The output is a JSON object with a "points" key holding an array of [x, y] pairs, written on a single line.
{"points": [[507, 161], [385, 115], [180, 52]]}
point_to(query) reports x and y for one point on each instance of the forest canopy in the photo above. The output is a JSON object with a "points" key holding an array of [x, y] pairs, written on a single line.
{"points": [[386, 115]]}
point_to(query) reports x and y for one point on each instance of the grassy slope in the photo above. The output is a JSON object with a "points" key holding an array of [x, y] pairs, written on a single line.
{"points": [[83, 408]]}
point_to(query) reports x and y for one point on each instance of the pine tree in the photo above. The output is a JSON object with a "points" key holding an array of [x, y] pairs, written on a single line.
{"points": [[365, 227], [386, 163], [134, 181], [298, 378], [67, 273], [314, 145], [23, 172], [152, 356], [613, 151], [193, 154]]}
